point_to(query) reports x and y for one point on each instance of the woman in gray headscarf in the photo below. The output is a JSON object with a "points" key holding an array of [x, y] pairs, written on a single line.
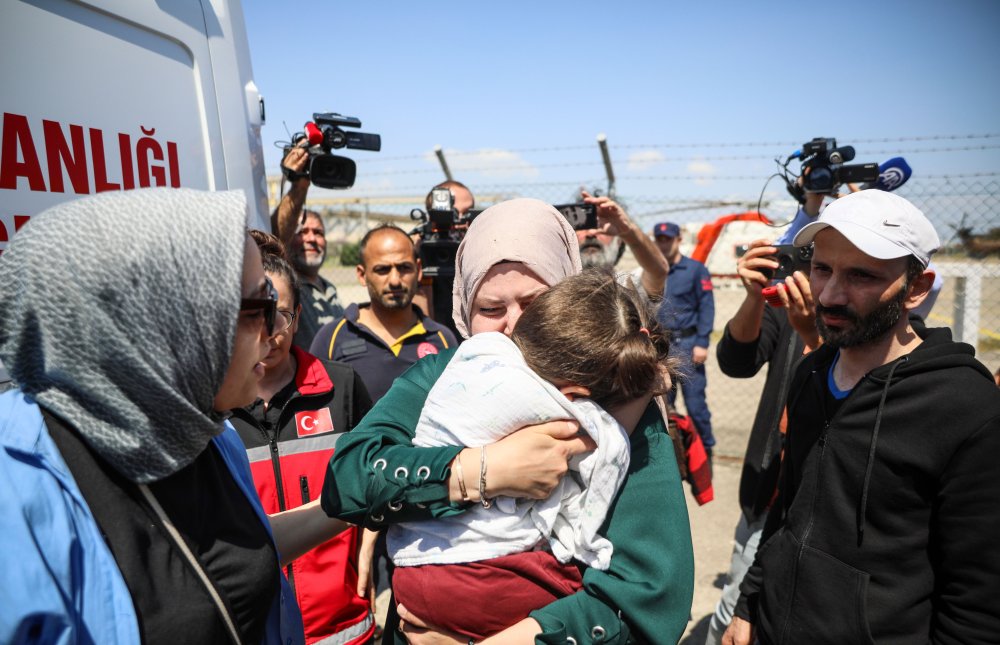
{"points": [[512, 252], [130, 322]]}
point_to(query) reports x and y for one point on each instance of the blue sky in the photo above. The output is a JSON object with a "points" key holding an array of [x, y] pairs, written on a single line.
{"points": [[493, 82]]}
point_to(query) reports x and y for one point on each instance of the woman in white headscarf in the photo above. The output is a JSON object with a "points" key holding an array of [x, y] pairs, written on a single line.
{"points": [[512, 252], [131, 322]]}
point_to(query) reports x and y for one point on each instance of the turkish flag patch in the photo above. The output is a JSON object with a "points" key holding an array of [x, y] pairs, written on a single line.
{"points": [[426, 349], [706, 285], [313, 422]]}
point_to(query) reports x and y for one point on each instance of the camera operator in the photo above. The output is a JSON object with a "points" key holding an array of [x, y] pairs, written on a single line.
{"points": [[464, 199], [604, 246], [304, 235], [463, 202], [759, 334]]}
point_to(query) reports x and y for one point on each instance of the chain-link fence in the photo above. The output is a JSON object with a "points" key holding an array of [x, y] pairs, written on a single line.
{"points": [[965, 209]]}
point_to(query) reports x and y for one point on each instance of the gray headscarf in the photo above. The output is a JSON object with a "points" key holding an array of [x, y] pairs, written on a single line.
{"points": [[119, 315]]}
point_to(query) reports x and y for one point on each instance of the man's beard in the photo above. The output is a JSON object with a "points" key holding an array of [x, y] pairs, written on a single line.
{"points": [[594, 254], [860, 331], [392, 301], [312, 261]]}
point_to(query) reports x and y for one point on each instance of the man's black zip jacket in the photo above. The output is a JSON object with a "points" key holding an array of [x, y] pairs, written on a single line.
{"points": [[887, 524]]}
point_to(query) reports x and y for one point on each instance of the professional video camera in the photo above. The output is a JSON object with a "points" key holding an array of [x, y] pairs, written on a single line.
{"points": [[824, 168], [323, 134], [441, 230]]}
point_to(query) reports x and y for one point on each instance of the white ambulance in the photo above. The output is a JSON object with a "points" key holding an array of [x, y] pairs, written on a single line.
{"points": [[117, 94]]}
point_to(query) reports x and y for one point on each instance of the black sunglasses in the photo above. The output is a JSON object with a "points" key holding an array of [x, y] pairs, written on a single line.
{"points": [[269, 305]]}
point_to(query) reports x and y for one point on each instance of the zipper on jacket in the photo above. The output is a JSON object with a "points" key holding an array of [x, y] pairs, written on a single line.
{"points": [[272, 442], [819, 383], [821, 442], [304, 487]]}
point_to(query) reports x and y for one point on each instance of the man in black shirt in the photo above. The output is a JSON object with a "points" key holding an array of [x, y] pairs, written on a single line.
{"points": [[381, 339], [885, 525]]}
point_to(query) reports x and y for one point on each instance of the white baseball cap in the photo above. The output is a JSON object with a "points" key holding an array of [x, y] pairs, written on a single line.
{"points": [[881, 224]]}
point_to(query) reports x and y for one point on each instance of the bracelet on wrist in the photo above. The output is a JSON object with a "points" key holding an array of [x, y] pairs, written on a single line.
{"points": [[461, 478], [483, 499]]}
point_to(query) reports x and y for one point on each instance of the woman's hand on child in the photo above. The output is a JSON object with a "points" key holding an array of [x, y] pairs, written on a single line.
{"points": [[366, 555], [418, 632], [532, 461]]}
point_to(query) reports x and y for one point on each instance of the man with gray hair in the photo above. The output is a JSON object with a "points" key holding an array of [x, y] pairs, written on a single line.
{"points": [[885, 525], [605, 245], [304, 235]]}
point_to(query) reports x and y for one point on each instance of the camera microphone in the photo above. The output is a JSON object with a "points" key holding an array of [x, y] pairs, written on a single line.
{"points": [[842, 154], [891, 175], [314, 134]]}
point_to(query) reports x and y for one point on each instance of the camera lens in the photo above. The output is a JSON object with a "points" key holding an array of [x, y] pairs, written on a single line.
{"points": [[820, 180], [331, 171]]}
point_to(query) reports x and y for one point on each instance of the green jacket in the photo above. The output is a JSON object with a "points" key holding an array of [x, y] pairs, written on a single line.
{"points": [[645, 595]]}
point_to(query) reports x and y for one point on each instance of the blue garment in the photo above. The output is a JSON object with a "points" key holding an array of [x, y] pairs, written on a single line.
{"points": [[62, 584], [801, 219], [688, 300], [692, 383], [688, 310]]}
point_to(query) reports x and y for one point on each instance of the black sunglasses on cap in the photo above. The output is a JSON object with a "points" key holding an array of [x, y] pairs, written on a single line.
{"points": [[269, 305]]}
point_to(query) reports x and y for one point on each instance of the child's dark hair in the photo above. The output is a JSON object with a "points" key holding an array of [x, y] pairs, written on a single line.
{"points": [[272, 253], [590, 330]]}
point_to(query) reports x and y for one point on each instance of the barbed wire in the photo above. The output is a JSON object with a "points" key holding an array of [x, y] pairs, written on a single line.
{"points": [[784, 144], [429, 156], [361, 192], [528, 167]]}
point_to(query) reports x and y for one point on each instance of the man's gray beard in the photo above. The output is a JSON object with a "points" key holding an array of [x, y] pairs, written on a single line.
{"points": [[304, 265], [607, 257], [592, 260]]}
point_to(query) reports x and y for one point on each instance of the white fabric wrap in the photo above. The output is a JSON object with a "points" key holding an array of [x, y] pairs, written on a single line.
{"points": [[486, 392]]}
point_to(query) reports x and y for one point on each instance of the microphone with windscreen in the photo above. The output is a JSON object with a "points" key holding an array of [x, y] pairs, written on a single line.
{"points": [[891, 175]]}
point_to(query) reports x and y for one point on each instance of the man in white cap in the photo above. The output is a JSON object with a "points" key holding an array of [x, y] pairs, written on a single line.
{"points": [[886, 523]]}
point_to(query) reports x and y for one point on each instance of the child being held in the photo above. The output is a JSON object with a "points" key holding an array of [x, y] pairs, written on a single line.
{"points": [[587, 336]]}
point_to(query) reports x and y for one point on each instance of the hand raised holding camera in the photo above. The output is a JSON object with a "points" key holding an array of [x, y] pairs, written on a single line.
{"points": [[611, 217], [756, 265], [295, 165], [797, 298]]}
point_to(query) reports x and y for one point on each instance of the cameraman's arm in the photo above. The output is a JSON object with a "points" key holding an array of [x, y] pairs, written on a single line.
{"points": [[613, 220], [806, 215], [288, 215]]}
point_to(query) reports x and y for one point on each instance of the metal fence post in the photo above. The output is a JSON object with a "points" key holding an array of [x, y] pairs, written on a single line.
{"points": [[958, 307]]}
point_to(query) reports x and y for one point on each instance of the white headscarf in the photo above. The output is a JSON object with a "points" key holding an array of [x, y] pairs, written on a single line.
{"points": [[523, 230], [119, 316]]}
